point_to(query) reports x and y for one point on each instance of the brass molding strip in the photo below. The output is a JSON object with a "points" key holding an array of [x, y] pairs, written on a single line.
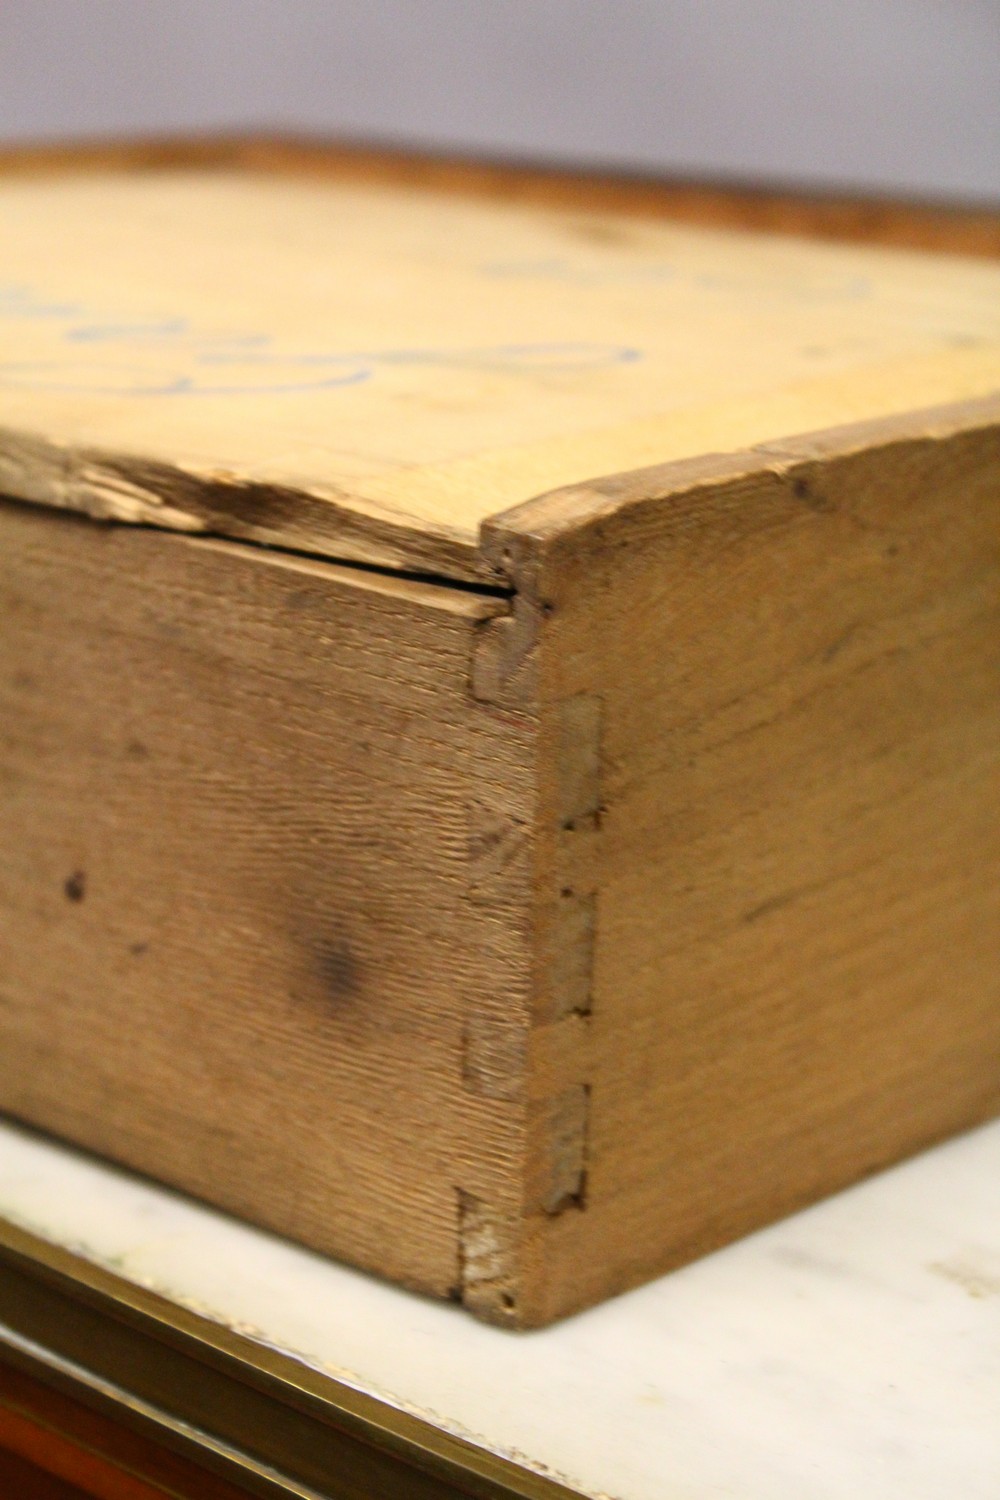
{"points": [[254, 1416]]}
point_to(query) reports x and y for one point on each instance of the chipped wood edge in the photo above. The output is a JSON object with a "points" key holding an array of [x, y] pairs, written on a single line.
{"points": [[137, 491]]}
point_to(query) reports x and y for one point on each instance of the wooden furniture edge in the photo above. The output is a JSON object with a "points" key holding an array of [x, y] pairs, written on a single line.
{"points": [[779, 208], [119, 487], [108, 485], [516, 545], [513, 540], [209, 1393]]}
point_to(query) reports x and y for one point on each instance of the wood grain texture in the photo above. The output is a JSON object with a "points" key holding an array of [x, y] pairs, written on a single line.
{"points": [[247, 904], [367, 370], [795, 842]]}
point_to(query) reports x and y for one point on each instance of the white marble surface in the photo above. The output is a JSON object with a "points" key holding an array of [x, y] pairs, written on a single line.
{"points": [[849, 1353]]}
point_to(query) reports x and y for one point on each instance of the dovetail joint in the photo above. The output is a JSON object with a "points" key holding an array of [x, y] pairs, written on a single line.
{"points": [[578, 819], [504, 659]]}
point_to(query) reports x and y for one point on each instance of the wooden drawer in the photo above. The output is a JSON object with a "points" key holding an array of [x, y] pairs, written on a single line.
{"points": [[512, 882]]}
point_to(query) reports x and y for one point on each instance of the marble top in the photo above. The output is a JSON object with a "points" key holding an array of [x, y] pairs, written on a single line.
{"points": [[850, 1351]]}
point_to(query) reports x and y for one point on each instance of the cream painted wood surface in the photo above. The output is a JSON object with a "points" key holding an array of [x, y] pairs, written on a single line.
{"points": [[850, 1351], [369, 372]]}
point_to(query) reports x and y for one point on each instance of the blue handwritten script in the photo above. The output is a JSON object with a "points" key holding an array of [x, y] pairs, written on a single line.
{"points": [[100, 354], [22, 302]]}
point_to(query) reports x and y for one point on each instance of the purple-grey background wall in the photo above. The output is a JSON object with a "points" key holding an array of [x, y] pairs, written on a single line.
{"points": [[897, 95]]}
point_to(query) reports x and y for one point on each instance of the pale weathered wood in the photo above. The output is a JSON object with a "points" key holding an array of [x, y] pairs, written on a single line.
{"points": [[367, 372]]}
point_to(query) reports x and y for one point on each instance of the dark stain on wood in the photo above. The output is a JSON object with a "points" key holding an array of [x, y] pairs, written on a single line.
{"points": [[338, 970]]}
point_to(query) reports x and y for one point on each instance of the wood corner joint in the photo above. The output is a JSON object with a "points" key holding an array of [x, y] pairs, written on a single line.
{"points": [[487, 1274], [505, 652]]}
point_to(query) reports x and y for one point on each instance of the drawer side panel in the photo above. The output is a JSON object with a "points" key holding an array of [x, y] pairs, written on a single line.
{"points": [[246, 898]]}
